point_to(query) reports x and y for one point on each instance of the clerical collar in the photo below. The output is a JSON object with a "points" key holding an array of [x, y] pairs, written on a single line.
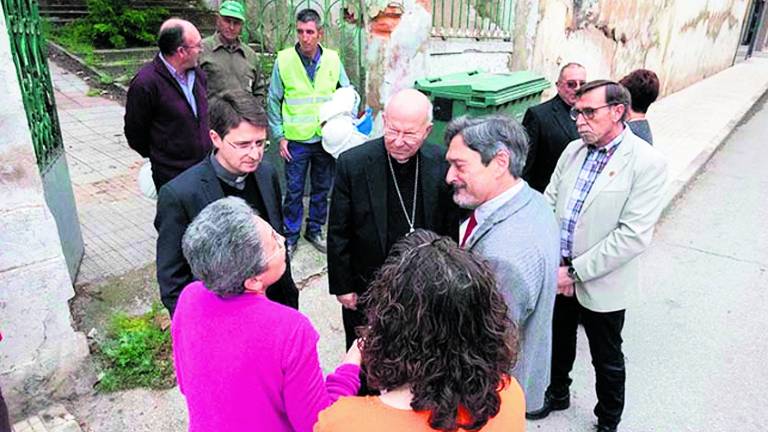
{"points": [[404, 166], [234, 180]]}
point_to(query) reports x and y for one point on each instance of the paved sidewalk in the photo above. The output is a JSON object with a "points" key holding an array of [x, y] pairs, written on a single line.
{"points": [[53, 419], [690, 125], [116, 219]]}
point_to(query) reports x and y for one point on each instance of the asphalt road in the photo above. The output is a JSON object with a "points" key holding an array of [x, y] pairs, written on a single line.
{"points": [[696, 339]]}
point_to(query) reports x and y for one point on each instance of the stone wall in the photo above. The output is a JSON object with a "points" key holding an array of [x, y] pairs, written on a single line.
{"points": [[40, 350]]}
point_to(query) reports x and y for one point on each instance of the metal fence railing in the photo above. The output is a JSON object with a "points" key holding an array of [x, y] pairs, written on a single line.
{"points": [[491, 19]]}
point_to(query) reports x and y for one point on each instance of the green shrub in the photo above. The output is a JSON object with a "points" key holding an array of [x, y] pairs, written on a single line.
{"points": [[137, 352], [75, 37], [112, 24]]}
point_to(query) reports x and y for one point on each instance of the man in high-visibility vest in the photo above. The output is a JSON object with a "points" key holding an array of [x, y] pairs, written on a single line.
{"points": [[304, 76]]}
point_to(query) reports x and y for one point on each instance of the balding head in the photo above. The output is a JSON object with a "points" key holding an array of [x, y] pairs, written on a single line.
{"points": [[410, 102], [180, 43], [407, 122]]}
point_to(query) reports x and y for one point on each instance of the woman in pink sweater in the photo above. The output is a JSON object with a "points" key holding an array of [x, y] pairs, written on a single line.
{"points": [[243, 362]]}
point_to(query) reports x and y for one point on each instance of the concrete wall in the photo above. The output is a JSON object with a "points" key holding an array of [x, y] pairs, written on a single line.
{"points": [[684, 41], [40, 351]]}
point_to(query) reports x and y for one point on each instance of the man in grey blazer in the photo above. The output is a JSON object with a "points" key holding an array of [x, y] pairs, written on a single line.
{"points": [[606, 193], [514, 229]]}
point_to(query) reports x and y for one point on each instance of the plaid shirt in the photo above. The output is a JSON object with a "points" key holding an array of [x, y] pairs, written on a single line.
{"points": [[593, 165]]}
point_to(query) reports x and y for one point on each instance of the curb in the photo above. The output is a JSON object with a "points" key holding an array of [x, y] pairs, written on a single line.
{"points": [[66, 59], [678, 186]]}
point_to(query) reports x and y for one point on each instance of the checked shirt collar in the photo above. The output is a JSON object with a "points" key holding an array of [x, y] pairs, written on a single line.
{"points": [[593, 165]]}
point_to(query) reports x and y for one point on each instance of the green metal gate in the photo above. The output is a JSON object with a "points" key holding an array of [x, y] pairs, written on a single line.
{"points": [[29, 55], [29, 52]]}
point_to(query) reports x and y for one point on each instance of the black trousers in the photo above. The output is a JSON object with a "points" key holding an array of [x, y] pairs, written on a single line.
{"points": [[352, 319], [603, 331]]}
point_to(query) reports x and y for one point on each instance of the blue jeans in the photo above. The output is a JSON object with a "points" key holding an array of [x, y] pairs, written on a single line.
{"points": [[321, 166]]}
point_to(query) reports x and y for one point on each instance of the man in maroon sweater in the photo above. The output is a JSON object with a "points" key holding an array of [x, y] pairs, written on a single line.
{"points": [[166, 111]]}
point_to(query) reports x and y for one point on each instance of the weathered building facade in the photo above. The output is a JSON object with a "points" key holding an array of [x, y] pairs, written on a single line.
{"points": [[682, 41]]}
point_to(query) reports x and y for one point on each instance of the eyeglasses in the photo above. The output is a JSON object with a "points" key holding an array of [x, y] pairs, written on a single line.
{"points": [[410, 138], [280, 249], [588, 113], [574, 84], [247, 146]]}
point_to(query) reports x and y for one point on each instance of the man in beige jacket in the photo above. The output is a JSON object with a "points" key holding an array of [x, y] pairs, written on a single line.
{"points": [[606, 192]]}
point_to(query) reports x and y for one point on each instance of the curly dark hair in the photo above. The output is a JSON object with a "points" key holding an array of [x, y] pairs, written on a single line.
{"points": [[643, 85], [437, 323]]}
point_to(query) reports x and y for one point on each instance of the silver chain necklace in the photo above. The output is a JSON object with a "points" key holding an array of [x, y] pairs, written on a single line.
{"points": [[412, 219]]}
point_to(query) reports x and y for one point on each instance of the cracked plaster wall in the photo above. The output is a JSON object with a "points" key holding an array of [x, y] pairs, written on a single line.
{"points": [[40, 350], [684, 41], [396, 49]]}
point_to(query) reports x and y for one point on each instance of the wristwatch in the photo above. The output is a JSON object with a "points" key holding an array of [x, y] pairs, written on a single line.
{"points": [[572, 273]]}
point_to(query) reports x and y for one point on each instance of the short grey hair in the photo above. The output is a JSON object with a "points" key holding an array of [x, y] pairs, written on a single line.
{"points": [[223, 247], [491, 134]]}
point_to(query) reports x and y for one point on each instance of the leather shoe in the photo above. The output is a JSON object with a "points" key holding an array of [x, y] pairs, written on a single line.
{"points": [[605, 428], [317, 240], [291, 249], [551, 403]]}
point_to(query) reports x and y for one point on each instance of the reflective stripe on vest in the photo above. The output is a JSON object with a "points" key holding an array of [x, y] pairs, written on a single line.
{"points": [[302, 98]]}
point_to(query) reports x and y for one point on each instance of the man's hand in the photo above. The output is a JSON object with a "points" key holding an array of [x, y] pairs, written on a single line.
{"points": [[348, 301], [564, 282], [284, 153]]}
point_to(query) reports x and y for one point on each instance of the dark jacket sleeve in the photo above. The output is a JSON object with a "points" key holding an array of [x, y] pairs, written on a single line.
{"points": [[173, 272], [284, 291], [340, 231], [138, 117], [532, 126]]}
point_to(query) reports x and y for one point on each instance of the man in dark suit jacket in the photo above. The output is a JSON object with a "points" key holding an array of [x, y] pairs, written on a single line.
{"points": [[550, 127], [373, 205], [166, 111], [235, 169]]}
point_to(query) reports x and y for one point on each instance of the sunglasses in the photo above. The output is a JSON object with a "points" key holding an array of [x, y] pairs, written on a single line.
{"points": [[574, 84]]}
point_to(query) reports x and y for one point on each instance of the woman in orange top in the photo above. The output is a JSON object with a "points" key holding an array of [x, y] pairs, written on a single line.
{"points": [[438, 345]]}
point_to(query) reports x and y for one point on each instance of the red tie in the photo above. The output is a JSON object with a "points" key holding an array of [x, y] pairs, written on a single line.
{"points": [[470, 227]]}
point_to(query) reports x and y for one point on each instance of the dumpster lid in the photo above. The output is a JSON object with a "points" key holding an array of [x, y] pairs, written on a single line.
{"points": [[482, 89]]}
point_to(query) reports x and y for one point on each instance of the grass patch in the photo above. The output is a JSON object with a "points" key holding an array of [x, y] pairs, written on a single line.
{"points": [[106, 79], [137, 352], [92, 92]]}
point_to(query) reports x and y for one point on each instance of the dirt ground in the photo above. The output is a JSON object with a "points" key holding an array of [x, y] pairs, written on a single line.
{"points": [[165, 410]]}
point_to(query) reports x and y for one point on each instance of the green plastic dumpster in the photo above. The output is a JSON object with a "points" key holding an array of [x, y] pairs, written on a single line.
{"points": [[477, 93]]}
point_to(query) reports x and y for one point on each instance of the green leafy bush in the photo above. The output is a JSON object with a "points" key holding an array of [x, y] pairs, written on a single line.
{"points": [[137, 352], [113, 24]]}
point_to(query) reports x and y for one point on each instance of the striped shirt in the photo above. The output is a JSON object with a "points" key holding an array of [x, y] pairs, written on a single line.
{"points": [[593, 165]]}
